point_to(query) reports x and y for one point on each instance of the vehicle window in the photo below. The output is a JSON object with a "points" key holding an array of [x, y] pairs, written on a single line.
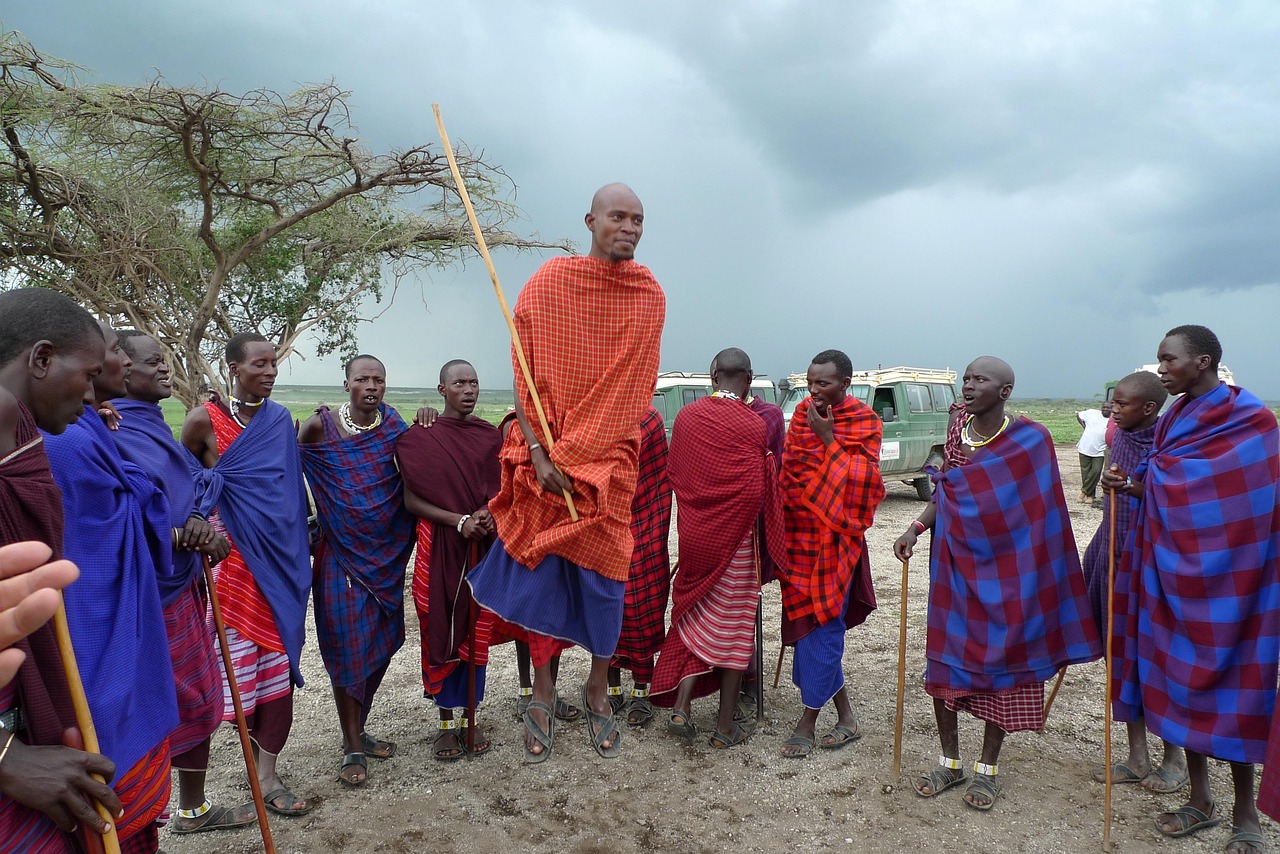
{"points": [[861, 392], [943, 397], [689, 395], [883, 401], [660, 403], [918, 398]]}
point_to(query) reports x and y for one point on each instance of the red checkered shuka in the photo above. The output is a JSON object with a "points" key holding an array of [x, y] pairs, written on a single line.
{"points": [[723, 475], [243, 606], [829, 500], [591, 331], [649, 584]]}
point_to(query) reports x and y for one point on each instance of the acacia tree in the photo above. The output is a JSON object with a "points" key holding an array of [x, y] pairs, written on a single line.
{"points": [[194, 214]]}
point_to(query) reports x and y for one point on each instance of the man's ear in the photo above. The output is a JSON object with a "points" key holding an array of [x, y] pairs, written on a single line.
{"points": [[40, 359], [1005, 391]]}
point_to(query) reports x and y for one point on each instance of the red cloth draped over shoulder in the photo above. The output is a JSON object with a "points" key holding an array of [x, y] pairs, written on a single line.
{"points": [[829, 499], [244, 608], [724, 477], [591, 330]]}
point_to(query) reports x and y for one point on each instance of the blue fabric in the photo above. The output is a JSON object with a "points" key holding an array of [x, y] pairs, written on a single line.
{"points": [[118, 533], [817, 667], [557, 598], [145, 440], [258, 491], [453, 691]]}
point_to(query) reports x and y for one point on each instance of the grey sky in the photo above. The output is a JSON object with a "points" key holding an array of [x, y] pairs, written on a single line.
{"points": [[914, 183]]}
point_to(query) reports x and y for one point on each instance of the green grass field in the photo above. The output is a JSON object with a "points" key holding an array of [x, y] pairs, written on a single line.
{"points": [[1057, 414], [302, 401]]}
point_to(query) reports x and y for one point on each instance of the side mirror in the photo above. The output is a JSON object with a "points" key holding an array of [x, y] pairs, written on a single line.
{"points": [[888, 414]]}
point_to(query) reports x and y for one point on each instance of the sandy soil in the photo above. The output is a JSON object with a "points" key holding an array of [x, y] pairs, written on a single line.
{"points": [[662, 795]]}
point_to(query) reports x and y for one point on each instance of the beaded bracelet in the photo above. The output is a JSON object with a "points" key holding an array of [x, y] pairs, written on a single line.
{"points": [[919, 526]]}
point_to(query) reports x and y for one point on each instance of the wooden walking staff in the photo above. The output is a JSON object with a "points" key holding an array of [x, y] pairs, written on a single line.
{"points": [[902, 676], [755, 547], [242, 725], [777, 673], [1048, 704], [473, 616], [84, 719], [547, 436], [1111, 616]]}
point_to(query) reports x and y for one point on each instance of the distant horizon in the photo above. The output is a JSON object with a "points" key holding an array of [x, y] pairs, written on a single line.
{"points": [[507, 393]]}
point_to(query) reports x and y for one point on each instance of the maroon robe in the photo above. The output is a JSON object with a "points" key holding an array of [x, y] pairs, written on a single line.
{"points": [[31, 509], [454, 465]]}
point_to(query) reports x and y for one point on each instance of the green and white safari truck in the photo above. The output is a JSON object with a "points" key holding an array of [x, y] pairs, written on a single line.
{"points": [[675, 389], [913, 403]]}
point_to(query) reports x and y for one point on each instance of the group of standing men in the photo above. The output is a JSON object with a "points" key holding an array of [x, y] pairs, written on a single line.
{"points": [[551, 529]]}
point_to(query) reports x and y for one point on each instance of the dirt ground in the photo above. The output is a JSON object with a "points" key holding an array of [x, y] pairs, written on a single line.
{"points": [[664, 795]]}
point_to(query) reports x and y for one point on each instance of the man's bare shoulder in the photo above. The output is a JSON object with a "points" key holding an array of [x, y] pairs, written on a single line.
{"points": [[196, 417], [312, 430]]}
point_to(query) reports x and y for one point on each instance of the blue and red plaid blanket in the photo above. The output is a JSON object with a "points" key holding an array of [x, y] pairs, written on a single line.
{"points": [[1205, 619], [1007, 603]]}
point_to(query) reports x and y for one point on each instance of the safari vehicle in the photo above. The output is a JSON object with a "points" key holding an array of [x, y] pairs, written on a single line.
{"points": [[1109, 390], [675, 389], [913, 403]]}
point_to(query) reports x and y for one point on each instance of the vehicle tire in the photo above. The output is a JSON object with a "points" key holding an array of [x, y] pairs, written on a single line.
{"points": [[924, 487]]}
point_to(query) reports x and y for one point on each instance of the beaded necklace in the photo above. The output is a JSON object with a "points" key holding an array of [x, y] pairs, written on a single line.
{"points": [[978, 443], [234, 405], [344, 413]]}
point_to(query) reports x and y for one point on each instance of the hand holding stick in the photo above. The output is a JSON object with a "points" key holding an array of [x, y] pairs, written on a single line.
{"points": [[84, 719], [547, 438]]}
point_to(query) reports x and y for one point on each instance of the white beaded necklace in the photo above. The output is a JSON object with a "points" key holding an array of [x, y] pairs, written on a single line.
{"points": [[234, 404], [344, 413], [978, 443]]}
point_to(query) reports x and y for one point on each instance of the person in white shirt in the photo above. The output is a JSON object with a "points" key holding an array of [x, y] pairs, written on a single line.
{"points": [[1092, 447]]}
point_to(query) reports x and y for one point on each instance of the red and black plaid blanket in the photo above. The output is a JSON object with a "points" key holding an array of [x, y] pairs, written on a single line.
{"points": [[829, 499], [649, 584], [1007, 602]]}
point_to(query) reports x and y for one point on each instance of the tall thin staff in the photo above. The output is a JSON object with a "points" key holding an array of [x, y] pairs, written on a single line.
{"points": [[473, 617], [1048, 704], [242, 725], [1111, 616], [84, 718], [755, 547], [547, 437], [902, 675]]}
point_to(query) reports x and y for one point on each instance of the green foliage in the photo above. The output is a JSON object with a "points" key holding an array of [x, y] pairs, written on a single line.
{"points": [[196, 213]]}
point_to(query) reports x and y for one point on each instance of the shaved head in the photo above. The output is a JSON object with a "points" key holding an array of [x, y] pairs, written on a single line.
{"points": [[1145, 386], [995, 368], [616, 222], [610, 195], [731, 361]]}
